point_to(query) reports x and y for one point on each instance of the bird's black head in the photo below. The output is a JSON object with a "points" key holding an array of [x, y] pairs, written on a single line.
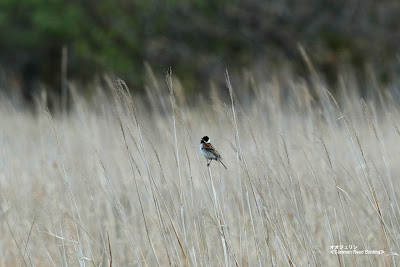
{"points": [[205, 139]]}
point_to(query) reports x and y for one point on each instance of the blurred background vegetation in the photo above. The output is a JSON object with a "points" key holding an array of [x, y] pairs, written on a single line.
{"points": [[197, 38]]}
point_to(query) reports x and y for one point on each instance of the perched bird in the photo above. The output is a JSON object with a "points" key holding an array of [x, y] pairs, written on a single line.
{"points": [[209, 151]]}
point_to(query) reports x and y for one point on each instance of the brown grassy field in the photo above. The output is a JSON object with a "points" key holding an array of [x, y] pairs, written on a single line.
{"points": [[120, 180]]}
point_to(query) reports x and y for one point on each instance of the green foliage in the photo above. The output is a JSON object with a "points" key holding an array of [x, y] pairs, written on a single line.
{"points": [[196, 36]]}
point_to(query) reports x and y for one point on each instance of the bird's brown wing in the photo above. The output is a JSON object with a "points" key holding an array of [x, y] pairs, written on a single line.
{"points": [[209, 147]]}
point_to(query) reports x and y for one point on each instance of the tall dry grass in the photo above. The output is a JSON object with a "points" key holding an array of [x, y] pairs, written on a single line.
{"points": [[121, 181]]}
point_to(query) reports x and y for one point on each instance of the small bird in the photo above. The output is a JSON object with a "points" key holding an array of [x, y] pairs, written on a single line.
{"points": [[209, 151]]}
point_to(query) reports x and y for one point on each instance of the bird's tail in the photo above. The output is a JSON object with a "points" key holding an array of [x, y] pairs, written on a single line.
{"points": [[220, 161]]}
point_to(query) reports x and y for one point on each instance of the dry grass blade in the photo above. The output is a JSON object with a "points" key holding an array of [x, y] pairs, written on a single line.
{"points": [[109, 249], [305, 175]]}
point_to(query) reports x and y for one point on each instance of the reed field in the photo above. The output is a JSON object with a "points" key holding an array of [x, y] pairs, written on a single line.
{"points": [[119, 180]]}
